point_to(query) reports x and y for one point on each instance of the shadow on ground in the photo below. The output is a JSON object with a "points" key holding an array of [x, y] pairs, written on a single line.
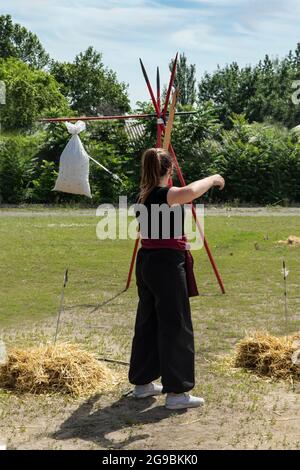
{"points": [[95, 307], [92, 423]]}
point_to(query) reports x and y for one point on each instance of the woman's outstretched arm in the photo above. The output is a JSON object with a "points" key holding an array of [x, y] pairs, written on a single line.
{"points": [[194, 190]]}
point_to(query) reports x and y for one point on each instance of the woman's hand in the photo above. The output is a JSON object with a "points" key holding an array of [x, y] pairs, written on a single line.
{"points": [[218, 181]]}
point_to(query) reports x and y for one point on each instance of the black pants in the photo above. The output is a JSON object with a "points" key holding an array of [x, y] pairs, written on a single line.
{"points": [[163, 343]]}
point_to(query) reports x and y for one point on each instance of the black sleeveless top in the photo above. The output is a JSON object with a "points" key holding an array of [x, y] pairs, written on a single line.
{"points": [[157, 219]]}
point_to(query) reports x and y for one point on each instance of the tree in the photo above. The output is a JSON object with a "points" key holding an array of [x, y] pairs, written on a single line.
{"points": [[30, 94], [229, 89], [262, 92], [16, 41], [185, 80], [89, 86]]}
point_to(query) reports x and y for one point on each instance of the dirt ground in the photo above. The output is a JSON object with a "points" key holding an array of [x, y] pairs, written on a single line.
{"points": [[209, 211], [125, 423], [241, 412]]}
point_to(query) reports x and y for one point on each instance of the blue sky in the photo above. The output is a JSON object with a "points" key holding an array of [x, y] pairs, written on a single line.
{"points": [[210, 32]]}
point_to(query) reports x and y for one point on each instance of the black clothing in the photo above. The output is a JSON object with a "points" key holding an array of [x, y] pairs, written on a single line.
{"points": [[163, 343], [173, 222]]}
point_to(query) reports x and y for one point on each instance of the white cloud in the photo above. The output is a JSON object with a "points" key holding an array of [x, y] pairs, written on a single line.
{"points": [[198, 37]]}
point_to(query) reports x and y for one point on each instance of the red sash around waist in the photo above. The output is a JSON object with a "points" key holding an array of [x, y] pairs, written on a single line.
{"points": [[176, 244]]}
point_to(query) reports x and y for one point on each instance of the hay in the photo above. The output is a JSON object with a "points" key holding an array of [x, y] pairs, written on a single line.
{"points": [[292, 240], [268, 355], [63, 368]]}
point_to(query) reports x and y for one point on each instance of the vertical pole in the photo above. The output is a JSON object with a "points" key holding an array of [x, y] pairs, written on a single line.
{"points": [[169, 126], [157, 110], [129, 277], [61, 305], [285, 275], [171, 83], [158, 128]]}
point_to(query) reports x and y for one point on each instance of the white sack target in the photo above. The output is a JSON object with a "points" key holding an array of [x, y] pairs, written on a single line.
{"points": [[73, 176]]}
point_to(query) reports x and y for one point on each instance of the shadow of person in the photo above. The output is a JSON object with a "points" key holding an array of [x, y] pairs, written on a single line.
{"points": [[94, 424]]}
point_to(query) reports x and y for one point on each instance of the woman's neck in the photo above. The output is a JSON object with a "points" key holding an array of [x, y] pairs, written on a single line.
{"points": [[164, 181]]}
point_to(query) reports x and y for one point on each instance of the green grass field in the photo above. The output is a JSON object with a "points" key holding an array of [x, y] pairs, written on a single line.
{"points": [[36, 249]]}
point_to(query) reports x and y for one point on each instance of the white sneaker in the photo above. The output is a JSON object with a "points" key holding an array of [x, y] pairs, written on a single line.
{"points": [[148, 390], [183, 400]]}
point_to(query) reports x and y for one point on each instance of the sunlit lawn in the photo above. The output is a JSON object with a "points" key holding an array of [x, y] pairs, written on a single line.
{"points": [[35, 251]]}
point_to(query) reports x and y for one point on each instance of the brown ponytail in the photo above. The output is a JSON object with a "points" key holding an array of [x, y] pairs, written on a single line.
{"points": [[155, 163]]}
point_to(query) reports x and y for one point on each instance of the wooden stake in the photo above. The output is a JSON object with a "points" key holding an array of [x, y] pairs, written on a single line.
{"points": [[61, 306], [285, 273], [170, 86], [158, 128], [169, 126]]}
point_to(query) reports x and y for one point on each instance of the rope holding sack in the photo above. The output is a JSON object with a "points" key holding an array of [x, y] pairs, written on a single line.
{"points": [[76, 128], [115, 177]]}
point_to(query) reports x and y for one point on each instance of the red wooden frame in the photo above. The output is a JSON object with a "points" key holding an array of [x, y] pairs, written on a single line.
{"points": [[161, 116], [161, 120]]}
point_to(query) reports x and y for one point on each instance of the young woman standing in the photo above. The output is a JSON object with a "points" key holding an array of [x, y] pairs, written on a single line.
{"points": [[163, 343]]}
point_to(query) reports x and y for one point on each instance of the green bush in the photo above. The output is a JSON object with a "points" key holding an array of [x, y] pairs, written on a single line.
{"points": [[17, 167], [40, 189], [260, 162], [11, 187]]}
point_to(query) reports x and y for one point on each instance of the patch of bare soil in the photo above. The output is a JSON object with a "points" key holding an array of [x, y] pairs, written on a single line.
{"points": [[116, 422], [241, 411], [210, 210]]}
